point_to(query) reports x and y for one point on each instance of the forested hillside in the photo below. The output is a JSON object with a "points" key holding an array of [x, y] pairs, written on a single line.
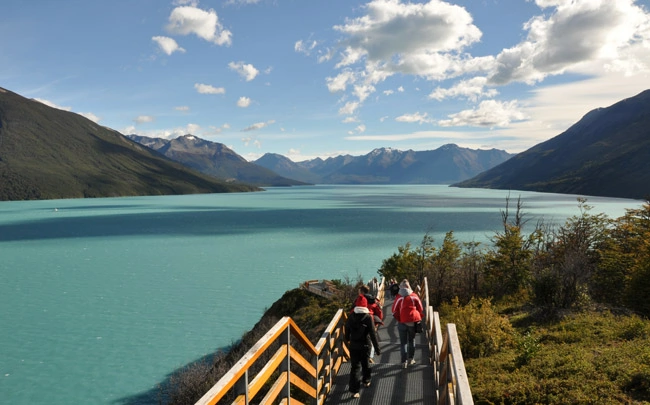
{"points": [[47, 153], [606, 153]]}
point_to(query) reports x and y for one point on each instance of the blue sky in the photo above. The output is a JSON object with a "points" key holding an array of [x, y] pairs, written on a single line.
{"points": [[320, 78]]}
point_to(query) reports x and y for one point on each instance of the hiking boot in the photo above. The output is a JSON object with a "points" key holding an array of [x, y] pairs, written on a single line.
{"points": [[405, 364], [412, 361], [356, 395]]}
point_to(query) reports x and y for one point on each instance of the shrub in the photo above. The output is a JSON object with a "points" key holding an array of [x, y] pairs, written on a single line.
{"points": [[481, 330], [527, 347]]}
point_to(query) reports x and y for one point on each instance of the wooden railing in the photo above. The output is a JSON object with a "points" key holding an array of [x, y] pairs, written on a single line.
{"points": [[285, 366], [278, 376], [451, 382]]}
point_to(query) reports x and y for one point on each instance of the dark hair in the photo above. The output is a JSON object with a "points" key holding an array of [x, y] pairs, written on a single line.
{"points": [[364, 289], [370, 298]]}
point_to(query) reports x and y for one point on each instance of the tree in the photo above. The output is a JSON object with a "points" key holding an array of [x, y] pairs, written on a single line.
{"points": [[400, 265], [508, 265], [444, 269], [622, 276], [570, 260]]}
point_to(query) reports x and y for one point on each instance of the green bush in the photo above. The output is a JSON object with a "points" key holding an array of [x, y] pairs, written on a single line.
{"points": [[481, 330]]}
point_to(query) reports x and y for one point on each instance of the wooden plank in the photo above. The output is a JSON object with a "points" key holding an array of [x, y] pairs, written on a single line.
{"points": [[239, 369], [297, 357], [302, 338], [463, 391], [267, 371], [332, 326], [275, 390], [300, 383]]}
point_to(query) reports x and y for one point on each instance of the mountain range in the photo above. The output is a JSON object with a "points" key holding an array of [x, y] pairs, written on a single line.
{"points": [[606, 153], [445, 165], [47, 153], [214, 159]]}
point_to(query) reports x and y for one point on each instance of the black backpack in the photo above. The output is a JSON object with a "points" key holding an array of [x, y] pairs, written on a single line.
{"points": [[357, 329]]}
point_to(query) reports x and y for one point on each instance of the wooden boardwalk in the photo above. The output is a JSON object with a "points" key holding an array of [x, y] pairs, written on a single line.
{"points": [[391, 384]]}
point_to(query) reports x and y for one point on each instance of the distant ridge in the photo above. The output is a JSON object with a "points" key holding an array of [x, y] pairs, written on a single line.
{"points": [[445, 165], [47, 153], [214, 159], [606, 153]]}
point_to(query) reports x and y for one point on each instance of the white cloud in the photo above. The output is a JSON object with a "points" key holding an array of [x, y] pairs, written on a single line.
{"points": [[393, 29], [142, 119], [193, 129], [340, 81], [388, 92], [182, 108], [303, 47], [490, 113], [419, 39], [192, 3], [583, 36], [243, 102], [186, 20], [400, 89], [349, 120], [472, 89], [91, 117], [247, 71], [349, 108], [53, 105], [363, 91], [208, 89], [225, 126], [167, 45], [361, 128], [416, 117], [230, 2], [258, 125]]}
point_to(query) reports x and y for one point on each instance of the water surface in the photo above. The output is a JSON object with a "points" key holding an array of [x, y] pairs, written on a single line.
{"points": [[102, 298]]}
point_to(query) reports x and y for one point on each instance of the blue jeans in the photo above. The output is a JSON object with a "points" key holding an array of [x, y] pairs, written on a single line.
{"points": [[406, 341]]}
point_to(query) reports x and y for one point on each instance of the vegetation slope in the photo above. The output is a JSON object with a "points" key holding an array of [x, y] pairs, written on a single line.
{"points": [[47, 153], [554, 316], [606, 153]]}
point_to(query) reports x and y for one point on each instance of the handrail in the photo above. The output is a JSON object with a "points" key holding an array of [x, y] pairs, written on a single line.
{"points": [[276, 377], [326, 359], [450, 376]]}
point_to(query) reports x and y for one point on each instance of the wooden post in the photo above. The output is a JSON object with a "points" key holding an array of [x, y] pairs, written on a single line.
{"points": [[285, 366], [241, 387]]}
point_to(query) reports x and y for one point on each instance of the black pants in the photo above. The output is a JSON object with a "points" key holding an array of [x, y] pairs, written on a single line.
{"points": [[358, 357]]}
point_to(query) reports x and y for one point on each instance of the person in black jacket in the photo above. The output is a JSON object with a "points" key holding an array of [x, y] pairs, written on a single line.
{"points": [[358, 328]]}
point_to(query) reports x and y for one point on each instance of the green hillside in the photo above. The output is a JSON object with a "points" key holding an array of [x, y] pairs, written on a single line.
{"points": [[47, 153], [606, 153]]}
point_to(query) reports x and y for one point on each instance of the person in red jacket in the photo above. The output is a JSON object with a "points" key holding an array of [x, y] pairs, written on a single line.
{"points": [[375, 310], [407, 310], [378, 316], [361, 300]]}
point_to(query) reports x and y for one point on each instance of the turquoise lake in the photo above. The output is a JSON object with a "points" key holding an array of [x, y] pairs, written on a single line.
{"points": [[103, 298]]}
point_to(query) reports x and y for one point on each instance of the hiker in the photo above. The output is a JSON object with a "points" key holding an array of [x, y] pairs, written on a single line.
{"points": [[373, 285], [393, 288], [378, 319], [359, 333], [407, 310], [361, 300]]}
